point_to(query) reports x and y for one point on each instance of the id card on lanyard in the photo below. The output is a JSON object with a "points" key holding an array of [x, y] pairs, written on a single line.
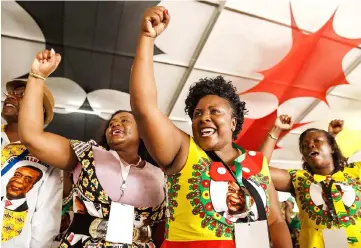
{"points": [[120, 224], [332, 238], [252, 234], [335, 238], [121, 216]]}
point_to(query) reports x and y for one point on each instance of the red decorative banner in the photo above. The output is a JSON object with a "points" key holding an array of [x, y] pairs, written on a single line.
{"points": [[311, 67], [254, 131]]}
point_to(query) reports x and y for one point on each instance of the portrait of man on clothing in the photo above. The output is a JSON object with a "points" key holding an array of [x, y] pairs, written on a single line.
{"points": [[229, 199], [19, 184]]}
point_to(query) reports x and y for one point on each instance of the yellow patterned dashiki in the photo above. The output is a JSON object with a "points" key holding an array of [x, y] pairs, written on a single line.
{"points": [[314, 215], [11, 151], [198, 210], [13, 223]]}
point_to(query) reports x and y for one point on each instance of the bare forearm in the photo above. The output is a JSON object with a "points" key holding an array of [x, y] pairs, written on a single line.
{"points": [[47, 147], [269, 143], [280, 235], [281, 179], [31, 115], [143, 91]]}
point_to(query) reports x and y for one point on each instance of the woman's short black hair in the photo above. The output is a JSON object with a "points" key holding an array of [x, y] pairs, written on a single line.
{"points": [[339, 160], [142, 150], [219, 87]]}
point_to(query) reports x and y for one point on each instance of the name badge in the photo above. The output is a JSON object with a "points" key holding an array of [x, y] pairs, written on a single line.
{"points": [[335, 238], [252, 234], [120, 224]]}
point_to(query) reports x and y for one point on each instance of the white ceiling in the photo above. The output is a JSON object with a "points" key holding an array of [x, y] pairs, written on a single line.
{"points": [[250, 36]]}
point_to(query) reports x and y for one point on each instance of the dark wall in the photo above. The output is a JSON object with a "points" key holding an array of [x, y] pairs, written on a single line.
{"points": [[97, 41], [77, 126]]}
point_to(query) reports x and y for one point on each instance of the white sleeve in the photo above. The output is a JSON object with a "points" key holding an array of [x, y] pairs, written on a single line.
{"points": [[45, 223]]}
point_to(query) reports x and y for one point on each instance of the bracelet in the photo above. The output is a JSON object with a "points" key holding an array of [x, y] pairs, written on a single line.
{"points": [[37, 76], [273, 137]]}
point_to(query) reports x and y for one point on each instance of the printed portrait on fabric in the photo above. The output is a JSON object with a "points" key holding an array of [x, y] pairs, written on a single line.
{"points": [[66, 219], [19, 190], [23, 179], [82, 205], [229, 199]]}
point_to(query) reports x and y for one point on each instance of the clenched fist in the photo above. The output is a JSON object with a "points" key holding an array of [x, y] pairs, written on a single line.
{"points": [[155, 21], [45, 63], [335, 127], [284, 122]]}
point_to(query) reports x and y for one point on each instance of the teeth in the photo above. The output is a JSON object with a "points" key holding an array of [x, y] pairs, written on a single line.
{"points": [[117, 132], [10, 105], [207, 131], [313, 153]]}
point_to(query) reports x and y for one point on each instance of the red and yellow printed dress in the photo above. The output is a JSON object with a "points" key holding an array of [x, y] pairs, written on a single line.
{"points": [[314, 216], [198, 199]]}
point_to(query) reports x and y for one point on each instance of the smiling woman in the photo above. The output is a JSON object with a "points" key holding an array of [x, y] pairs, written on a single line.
{"points": [[217, 87], [216, 99], [107, 182], [204, 210]]}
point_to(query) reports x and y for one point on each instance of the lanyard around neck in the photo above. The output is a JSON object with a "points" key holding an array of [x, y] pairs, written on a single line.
{"points": [[327, 191], [242, 182], [125, 172]]}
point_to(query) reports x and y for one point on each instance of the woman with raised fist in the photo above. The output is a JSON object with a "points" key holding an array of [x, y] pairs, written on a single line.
{"points": [[327, 188], [217, 191], [118, 197]]}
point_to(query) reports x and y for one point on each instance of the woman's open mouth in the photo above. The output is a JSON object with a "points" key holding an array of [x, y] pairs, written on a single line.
{"points": [[206, 132], [117, 132], [313, 154]]}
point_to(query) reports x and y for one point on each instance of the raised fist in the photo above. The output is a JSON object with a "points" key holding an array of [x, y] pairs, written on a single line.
{"points": [[284, 122], [45, 63], [335, 127], [155, 21]]}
